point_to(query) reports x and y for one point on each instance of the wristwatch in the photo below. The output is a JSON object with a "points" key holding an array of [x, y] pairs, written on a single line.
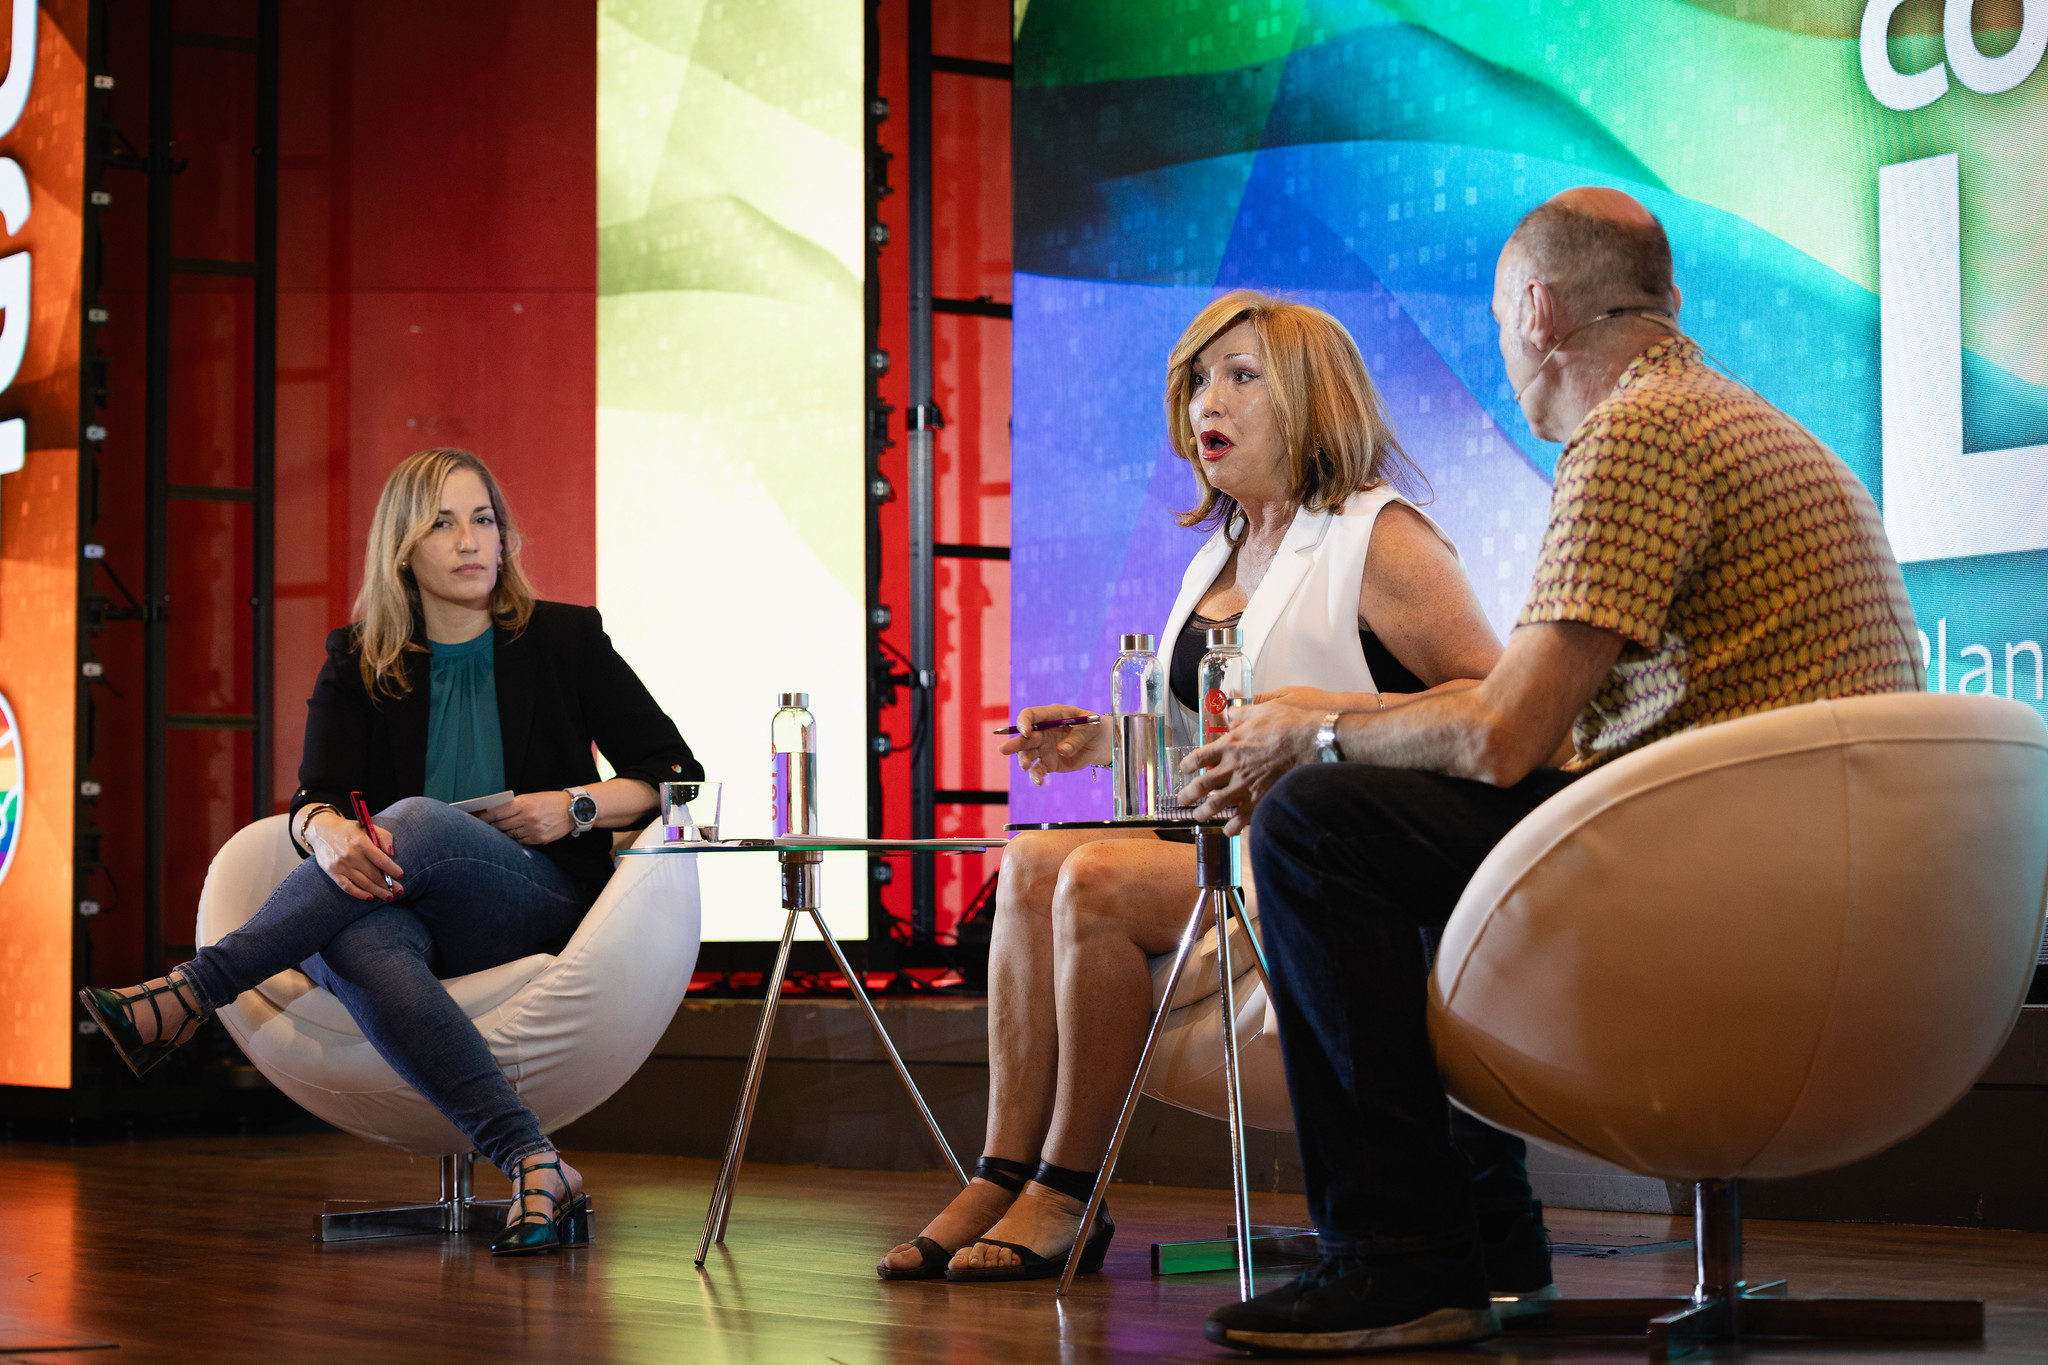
{"points": [[1326, 740], [583, 810]]}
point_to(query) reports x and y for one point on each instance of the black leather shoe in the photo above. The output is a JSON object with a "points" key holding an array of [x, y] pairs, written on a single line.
{"points": [[1351, 1304]]}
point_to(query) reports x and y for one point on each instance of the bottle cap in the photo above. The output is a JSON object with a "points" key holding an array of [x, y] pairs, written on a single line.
{"points": [[789, 699], [1132, 644], [1225, 637]]}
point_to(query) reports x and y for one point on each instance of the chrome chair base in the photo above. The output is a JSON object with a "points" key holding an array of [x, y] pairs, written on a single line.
{"points": [[457, 1213], [1677, 1325], [1724, 1307]]}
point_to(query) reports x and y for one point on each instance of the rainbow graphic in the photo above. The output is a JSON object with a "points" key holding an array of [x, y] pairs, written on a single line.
{"points": [[10, 787], [1371, 158]]}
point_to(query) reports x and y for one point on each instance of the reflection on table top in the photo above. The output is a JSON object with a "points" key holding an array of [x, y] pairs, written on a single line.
{"points": [[823, 844], [1123, 824]]}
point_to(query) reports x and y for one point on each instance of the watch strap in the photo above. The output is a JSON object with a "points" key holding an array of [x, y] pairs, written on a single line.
{"points": [[577, 796], [1326, 740]]}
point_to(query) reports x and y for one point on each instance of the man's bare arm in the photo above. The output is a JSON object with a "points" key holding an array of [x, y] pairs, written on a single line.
{"points": [[1507, 727], [1498, 732]]}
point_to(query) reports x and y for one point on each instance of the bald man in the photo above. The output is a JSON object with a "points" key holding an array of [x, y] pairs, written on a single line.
{"points": [[1706, 558]]}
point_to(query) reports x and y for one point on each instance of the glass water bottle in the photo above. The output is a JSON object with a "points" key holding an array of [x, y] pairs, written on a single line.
{"points": [[1223, 682], [794, 737], [1137, 703]]}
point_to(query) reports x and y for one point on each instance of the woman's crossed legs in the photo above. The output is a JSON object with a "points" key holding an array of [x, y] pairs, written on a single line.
{"points": [[1077, 915], [472, 899]]}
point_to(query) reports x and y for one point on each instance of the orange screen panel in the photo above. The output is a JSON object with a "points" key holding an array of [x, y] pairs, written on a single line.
{"points": [[39, 552]]}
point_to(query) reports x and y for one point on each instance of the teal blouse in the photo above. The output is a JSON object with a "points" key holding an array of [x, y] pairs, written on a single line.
{"points": [[465, 749]]}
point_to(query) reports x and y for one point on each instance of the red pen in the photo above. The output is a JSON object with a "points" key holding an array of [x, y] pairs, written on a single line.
{"points": [[363, 819]]}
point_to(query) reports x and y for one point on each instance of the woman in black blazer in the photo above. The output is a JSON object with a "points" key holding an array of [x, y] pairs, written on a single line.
{"points": [[453, 683]]}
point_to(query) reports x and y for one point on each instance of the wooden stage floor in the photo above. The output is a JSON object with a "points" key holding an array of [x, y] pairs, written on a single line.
{"points": [[199, 1249]]}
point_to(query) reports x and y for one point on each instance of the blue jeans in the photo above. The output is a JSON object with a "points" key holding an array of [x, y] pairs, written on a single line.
{"points": [[473, 899], [1358, 868]]}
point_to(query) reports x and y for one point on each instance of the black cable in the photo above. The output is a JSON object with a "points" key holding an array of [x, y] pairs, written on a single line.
{"points": [[922, 699]]}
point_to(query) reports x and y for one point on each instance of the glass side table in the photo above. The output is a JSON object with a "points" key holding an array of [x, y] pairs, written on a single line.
{"points": [[801, 857]]}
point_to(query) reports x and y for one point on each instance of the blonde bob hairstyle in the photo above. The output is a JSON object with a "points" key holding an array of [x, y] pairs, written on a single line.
{"points": [[388, 615], [1338, 438]]}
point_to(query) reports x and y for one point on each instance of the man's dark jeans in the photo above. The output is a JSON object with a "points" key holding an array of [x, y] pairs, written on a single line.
{"points": [[1358, 868]]}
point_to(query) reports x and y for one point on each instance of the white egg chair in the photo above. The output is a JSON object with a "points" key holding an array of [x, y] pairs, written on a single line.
{"points": [[568, 1029]]}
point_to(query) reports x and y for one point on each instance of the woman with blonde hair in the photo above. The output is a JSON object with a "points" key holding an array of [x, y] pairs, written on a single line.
{"points": [[1348, 598], [452, 683]]}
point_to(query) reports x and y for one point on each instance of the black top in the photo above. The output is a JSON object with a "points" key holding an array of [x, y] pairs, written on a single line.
{"points": [[1389, 674], [561, 686]]}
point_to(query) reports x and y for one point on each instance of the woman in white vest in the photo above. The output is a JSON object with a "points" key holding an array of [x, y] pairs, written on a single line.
{"points": [[1348, 599]]}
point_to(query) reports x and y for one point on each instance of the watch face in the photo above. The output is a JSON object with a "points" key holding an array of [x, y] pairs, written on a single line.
{"points": [[584, 809]]}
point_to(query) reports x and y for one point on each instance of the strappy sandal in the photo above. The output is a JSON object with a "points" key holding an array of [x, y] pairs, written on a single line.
{"points": [[535, 1232], [932, 1258], [111, 1011], [1031, 1265]]}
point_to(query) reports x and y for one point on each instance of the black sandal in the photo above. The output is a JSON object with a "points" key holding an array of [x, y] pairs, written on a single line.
{"points": [[536, 1232], [1076, 1185], [1034, 1266], [931, 1257], [110, 1010]]}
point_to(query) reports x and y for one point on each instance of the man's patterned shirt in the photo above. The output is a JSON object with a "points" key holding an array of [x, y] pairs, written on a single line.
{"points": [[1740, 560]]}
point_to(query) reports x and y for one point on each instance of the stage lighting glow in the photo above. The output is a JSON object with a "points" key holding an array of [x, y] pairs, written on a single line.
{"points": [[731, 521], [1852, 198]]}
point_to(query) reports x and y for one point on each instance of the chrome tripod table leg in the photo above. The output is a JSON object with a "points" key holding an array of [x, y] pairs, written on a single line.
{"points": [[750, 1091], [1240, 1180], [1251, 933]]}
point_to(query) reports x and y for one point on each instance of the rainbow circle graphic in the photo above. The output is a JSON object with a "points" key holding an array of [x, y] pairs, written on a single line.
{"points": [[10, 787]]}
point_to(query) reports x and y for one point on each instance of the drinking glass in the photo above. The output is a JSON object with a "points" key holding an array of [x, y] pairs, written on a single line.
{"points": [[1169, 801], [689, 810]]}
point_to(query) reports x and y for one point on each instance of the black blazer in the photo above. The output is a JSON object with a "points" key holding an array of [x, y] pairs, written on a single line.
{"points": [[561, 686]]}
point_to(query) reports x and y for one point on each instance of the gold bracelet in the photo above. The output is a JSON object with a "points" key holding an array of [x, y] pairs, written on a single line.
{"points": [[306, 814]]}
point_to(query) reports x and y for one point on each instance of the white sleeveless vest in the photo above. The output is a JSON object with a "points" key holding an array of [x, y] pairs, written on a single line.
{"points": [[1301, 626]]}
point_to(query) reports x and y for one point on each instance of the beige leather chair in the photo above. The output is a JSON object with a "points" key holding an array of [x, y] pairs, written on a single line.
{"points": [[568, 1029], [1769, 947]]}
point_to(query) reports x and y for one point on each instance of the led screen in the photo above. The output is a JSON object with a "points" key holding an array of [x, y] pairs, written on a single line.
{"points": [[1852, 196], [730, 525], [42, 164]]}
